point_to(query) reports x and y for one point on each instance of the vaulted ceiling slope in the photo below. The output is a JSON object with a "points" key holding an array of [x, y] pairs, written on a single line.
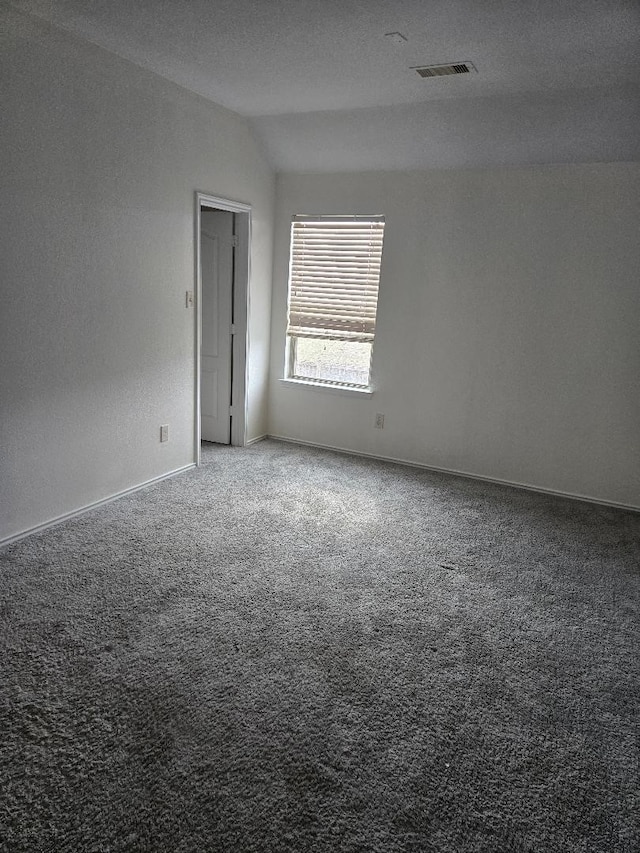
{"points": [[557, 81]]}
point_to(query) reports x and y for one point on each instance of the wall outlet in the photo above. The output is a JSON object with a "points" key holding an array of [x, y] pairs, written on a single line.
{"points": [[379, 421], [164, 432]]}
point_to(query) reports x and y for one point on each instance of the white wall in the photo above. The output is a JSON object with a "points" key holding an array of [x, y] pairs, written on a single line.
{"points": [[508, 325], [100, 164]]}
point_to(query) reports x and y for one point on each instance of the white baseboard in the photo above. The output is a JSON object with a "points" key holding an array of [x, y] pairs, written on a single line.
{"points": [[256, 440], [412, 464], [88, 507]]}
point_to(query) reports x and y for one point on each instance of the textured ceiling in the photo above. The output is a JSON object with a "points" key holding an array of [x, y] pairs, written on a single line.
{"points": [[557, 81]]}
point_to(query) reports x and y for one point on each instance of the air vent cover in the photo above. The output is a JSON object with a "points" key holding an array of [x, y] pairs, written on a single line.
{"points": [[445, 70]]}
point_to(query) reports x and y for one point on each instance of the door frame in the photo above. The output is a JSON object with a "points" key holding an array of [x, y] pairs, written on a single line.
{"points": [[239, 346]]}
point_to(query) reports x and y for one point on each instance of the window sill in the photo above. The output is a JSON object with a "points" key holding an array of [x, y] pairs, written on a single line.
{"points": [[321, 386]]}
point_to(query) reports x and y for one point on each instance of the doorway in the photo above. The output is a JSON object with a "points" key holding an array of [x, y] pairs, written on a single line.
{"points": [[222, 286], [217, 250]]}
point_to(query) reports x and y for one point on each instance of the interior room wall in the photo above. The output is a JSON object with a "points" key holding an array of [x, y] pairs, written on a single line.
{"points": [[100, 164], [508, 317]]}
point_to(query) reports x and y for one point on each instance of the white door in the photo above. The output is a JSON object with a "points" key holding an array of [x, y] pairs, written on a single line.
{"points": [[217, 316]]}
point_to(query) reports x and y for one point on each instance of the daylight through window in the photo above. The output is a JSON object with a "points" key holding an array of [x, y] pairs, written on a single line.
{"points": [[334, 275]]}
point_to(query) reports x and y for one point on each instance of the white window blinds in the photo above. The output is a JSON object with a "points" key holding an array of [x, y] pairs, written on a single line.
{"points": [[334, 277]]}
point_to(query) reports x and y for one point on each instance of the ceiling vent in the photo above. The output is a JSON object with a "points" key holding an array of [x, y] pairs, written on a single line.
{"points": [[444, 70]]}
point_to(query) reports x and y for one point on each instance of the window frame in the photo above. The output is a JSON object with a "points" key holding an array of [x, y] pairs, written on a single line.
{"points": [[365, 281], [292, 376]]}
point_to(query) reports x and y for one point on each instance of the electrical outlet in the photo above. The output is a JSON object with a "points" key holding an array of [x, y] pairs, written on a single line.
{"points": [[164, 432], [379, 421]]}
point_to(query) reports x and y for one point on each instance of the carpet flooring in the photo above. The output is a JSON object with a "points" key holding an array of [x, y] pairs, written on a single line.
{"points": [[295, 651]]}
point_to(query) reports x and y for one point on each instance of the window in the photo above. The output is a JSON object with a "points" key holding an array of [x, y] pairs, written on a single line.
{"points": [[334, 274]]}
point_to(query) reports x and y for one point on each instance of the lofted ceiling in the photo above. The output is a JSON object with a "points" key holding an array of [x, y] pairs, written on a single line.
{"points": [[558, 81]]}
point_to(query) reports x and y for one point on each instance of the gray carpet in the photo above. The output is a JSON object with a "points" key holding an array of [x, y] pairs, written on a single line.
{"points": [[292, 650]]}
